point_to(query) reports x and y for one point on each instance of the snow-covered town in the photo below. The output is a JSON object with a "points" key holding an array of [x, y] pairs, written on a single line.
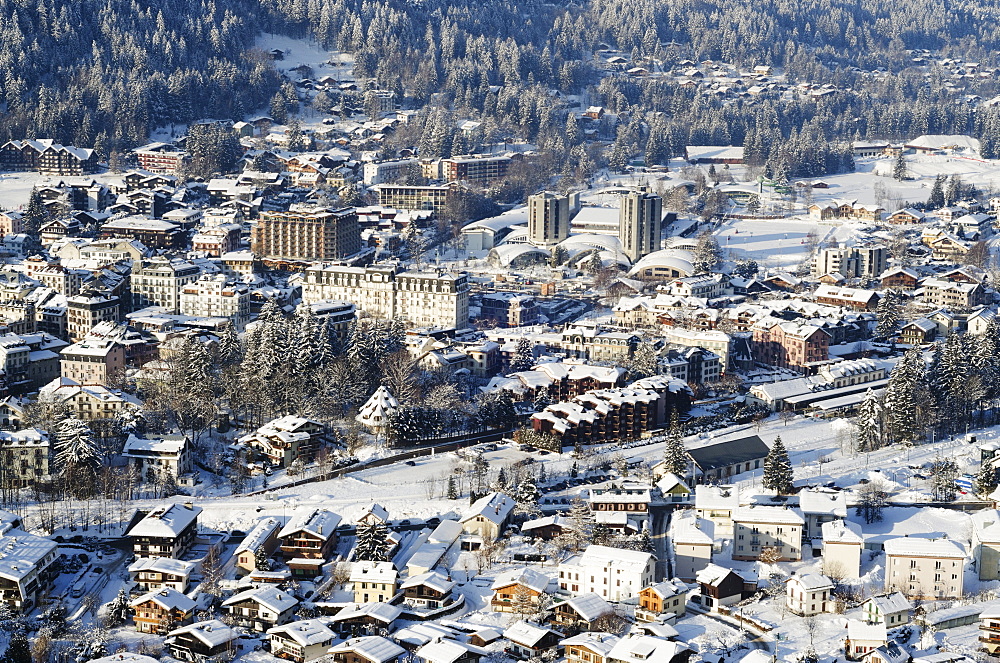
{"points": [[405, 368]]}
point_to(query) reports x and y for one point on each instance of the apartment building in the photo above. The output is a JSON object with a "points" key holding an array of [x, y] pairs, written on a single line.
{"points": [[789, 345], [26, 457], [611, 573], [159, 281], [166, 531], [86, 310], [851, 262], [478, 169], [382, 172], [951, 294], [27, 569], [549, 216], [305, 233], [92, 361], [640, 220], [155, 573], [216, 296], [756, 528], [425, 299], [160, 158], [925, 568], [400, 196]]}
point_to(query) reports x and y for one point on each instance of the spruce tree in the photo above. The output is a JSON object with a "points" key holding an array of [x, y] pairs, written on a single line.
{"points": [[675, 456], [18, 650], [936, 199], [778, 469], [523, 358], [899, 404], [887, 315], [372, 543], [452, 489], [986, 479], [899, 167], [869, 423]]}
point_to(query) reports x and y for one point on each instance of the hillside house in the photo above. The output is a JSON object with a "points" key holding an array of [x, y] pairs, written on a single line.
{"points": [[809, 594], [428, 591], [527, 640], [721, 460], [261, 608], [488, 516], [166, 531], [154, 573], [261, 540], [611, 573], [662, 601], [843, 543], [891, 610], [308, 540], [693, 539], [580, 612], [368, 649], [720, 586], [161, 611], [524, 584], [286, 440], [756, 528], [301, 641], [374, 581]]}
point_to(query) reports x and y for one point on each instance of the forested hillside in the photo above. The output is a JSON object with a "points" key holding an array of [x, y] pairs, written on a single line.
{"points": [[105, 72]]}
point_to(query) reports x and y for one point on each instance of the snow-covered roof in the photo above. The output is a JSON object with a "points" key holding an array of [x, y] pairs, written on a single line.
{"points": [[495, 507], [887, 604], [713, 574], [546, 521], [602, 556], [669, 588], [725, 497], [125, 657], [589, 606], [443, 651], [177, 567], [860, 630], [168, 599], [212, 633], [305, 633], [376, 510], [318, 522], [367, 571], [842, 531], [377, 409], [256, 537], [383, 612], [767, 514], [435, 580], [526, 577], [638, 648], [526, 633], [166, 444], [270, 597], [823, 501], [811, 582], [375, 648], [911, 546], [597, 642], [689, 529], [166, 521]]}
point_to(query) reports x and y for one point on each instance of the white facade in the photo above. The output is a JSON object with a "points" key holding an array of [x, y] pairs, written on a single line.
{"points": [[159, 281], [759, 527], [809, 594], [425, 299], [216, 297], [611, 573]]}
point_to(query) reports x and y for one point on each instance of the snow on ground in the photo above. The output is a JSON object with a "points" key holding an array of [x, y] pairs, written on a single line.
{"points": [[781, 243], [15, 189], [307, 52]]}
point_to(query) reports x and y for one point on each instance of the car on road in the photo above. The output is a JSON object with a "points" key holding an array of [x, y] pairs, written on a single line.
{"points": [[77, 592]]}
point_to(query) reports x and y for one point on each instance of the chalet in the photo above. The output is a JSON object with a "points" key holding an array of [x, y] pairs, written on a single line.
{"points": [[301, 641], [989, 627], [488, 516], [261, 608], [902, 278], [27, 568], [161, 611], [517, 585], [261, 540], [527, 640], [202, 641], [444, 650], [891, 610], [946, 246], [158, 457], [286, 440], [809, 594], [978, 322], [863, 638], [724, 459], [673, 488], [364, 617], [719, 587], [639, 648], [581, 612], [662, 601], [853, 298], [374, 514], [906, 216], [153, 573], [918, 332], [428, 591], [47, 157], [545, 528], [368, 649], [588, 647], [308, 540], [373, 581], [166, 531], [843, 543]]}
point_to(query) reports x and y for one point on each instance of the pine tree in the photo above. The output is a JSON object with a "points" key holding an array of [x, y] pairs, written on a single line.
{"points": [[118, 610], [869, 423], [674, 454], [523, 358], [936, 199], [542, 399], [76, 446], [262, 561], [986, 479], [887, 315], [899, 405], [33, 218], [452, 489], [899, 167], [707, 253], [778, 472], [18, 650], [581, 524], [373, 543], [645, 361]]}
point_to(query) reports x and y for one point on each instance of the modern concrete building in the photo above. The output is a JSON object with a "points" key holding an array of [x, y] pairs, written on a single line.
{"points": [[307, 234], [639, 223]]}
